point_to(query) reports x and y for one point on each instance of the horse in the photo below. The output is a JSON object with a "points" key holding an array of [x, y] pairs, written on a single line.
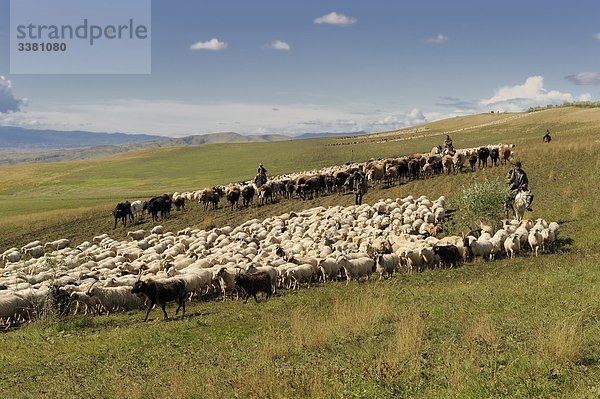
{"points": [[260, 179], [521, 202]]}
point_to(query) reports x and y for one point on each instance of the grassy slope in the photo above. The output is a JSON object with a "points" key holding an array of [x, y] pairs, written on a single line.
{"points": [[523, 328]]}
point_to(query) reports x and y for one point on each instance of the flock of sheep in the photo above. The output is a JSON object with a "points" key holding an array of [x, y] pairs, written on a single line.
{"points": [[288, 251], [339, 178], [282, 252]]}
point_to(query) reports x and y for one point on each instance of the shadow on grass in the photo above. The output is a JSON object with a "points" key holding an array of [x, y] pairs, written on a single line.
{"points": [[563, 244], [561, 222]]}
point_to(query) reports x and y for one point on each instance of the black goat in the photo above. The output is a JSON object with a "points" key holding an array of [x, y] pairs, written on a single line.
{"points": [[122, 211], [483, 154], [160, 204], [179, 204], [448, 254], [233, 196], [161, 292], [253, 283], [495, 156]]}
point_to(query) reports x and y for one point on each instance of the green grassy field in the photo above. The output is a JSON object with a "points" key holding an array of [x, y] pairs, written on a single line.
{"points": [[522, 328]]}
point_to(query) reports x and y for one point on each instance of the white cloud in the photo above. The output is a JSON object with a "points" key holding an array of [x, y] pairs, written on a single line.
{"points": [[8, 101], [279, 45], [596, 36], [395, 121], [333, 18], [518, 97], [514, 98], [584, 97], [212, 44], [176, 119], [585, 78], [437, 39]]}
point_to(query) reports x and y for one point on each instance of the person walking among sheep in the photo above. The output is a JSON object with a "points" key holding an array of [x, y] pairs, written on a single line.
{"points": [[360, 187]]}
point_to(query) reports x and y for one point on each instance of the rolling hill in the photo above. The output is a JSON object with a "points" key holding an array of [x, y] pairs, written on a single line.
{"points": [[85, 145], [20, 139], [518, 328]]}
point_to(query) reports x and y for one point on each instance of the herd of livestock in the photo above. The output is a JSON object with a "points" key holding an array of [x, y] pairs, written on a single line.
{"points": [[284, 252], [308, 184]]}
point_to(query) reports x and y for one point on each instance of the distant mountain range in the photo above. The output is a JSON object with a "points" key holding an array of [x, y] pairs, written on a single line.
{"points": [[318, 135], [19, 145], [20, 139], [224, 137]]}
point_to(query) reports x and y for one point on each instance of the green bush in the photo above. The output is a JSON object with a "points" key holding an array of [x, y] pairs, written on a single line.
{"points": [[482, 200]]}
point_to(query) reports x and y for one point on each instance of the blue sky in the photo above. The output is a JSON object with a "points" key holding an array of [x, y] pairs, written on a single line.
{"points": [[392, 64]]}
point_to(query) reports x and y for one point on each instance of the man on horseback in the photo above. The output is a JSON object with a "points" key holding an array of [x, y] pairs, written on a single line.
{"points": [[261, 175], [547, 137], [517, 182], [448, 144]]}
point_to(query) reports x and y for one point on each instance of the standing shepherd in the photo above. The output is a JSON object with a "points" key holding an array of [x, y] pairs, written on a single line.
{"points": [[360, 187]]}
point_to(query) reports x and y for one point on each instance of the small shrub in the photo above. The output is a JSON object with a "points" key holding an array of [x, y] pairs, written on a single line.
{"points": [[482, 200]]}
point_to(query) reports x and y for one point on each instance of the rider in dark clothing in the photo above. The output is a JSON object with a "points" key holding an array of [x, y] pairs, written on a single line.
{"points": [[261, 171], [517, 181], [547, 137], [448, 143]]}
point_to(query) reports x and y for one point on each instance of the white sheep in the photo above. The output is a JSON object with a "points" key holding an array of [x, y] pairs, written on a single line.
{"points": [[137, 209], [13, 307], [32, 244], [115, 298], [548, 238], [13, 256], [89, 303], [329, 268], [481, 247], [535, 240], [512, 245], [35, 252], [300, 274], [136, 235], [57, 245], [356, 268], [157, 230]]}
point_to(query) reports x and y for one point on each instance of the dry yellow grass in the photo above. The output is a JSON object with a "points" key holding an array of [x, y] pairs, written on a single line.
{"points": [[403, 356], [561, 343]]}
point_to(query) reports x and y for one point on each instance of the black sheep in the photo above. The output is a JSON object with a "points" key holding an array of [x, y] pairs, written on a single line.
{"points": [[448, 254], [161, 292], [253, 283], [483, 154]]}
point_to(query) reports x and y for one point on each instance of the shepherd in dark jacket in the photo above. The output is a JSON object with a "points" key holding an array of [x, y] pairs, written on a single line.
{"points": [[517, 181], [360, 187]]}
